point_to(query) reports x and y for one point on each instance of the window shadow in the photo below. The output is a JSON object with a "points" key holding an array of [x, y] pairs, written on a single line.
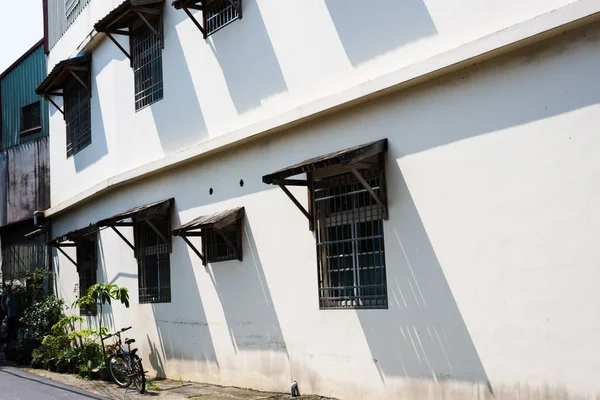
{"points": [[250, 66], [247, 304], [369, 29], [178, 116], [422, 334], [98, 148]]}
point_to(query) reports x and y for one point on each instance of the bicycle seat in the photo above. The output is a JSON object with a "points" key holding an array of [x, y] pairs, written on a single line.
{"points": [[129, 341]]}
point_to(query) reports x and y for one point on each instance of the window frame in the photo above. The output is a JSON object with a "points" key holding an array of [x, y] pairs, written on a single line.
{"points": [[324, 220], [147, 243], [154, 65], [79, 131], [87, 271], [225, 8], [212, 242], [30, 129]]}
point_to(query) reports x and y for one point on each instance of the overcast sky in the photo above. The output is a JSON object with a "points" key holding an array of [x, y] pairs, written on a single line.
{"points": [[21, 26]]}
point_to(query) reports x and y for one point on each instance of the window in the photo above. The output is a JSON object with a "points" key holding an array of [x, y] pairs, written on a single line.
{"points": [[31, 121], [217, 246], [77, 116], [350, 248], [146, 52], [87, 269], [220, 13], [154, 271], [70, 6]]}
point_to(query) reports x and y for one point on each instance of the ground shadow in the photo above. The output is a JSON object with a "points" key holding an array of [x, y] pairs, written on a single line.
{"points": [[98, 147], [246, 300], [422, 334], [251, 69], [371, 29], [178, 116]]}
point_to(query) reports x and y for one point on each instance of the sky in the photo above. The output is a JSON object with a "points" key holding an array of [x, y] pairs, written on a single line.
{"points": [[21, 26]]}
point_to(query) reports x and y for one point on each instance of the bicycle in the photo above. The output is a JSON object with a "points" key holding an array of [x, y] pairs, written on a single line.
{"points": [[124, 365]]}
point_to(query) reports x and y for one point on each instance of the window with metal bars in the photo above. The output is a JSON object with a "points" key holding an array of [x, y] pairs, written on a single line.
{"points": [[154, 270], [77, 116], [146, 53], [350, 248], [217, 249], [87, 269], [220, 13], [31, 118]]}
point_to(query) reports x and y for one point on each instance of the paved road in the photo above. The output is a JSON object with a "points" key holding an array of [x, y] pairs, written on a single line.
{"points": [[19, 385]]}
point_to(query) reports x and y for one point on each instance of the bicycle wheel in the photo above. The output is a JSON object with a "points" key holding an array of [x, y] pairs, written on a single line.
{"points": [[119, 370], [139, 377]]}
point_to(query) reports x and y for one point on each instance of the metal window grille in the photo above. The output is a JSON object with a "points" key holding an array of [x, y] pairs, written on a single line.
{"points": [[86, 268], [77, 117], [154, 271], [350, 247], [31, 117], [146, 49], [217, 248], [219, 14]]}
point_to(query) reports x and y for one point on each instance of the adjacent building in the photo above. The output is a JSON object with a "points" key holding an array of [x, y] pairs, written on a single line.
{"points": [[24, 164], [393, 200]]}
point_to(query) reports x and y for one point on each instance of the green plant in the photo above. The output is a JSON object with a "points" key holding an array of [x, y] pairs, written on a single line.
{"points": [[101, 294], [151, 385], [42, 314]]}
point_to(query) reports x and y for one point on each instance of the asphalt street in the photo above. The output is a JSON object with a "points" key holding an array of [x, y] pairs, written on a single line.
{"points": [[19, 385]]}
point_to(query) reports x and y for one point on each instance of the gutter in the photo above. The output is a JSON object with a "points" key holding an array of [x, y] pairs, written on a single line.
{"points": [[553, 23]]}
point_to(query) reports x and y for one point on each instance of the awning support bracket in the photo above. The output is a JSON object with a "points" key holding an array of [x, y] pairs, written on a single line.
{"points": [[80, 81], [194, 249], [366, 185], [297, 203], [158, 35], [123, 237], [231, 245], [54, 104], [157, 231], [195, 21], [58, 247], [118, 45]]}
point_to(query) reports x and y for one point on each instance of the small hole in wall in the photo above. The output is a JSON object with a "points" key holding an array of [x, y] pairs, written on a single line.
{"points": [[241, 182], [210, 191]]}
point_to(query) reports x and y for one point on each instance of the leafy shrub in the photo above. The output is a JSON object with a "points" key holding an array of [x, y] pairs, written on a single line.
{"points": [[42, 314]]}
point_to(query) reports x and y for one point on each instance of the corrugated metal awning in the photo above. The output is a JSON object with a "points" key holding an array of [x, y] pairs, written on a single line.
{"points": [[141, 212], [344, 157], [217, 221], [63, 72], [126, 12]]}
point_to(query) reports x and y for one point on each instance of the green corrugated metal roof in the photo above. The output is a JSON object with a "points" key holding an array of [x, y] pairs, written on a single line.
{"points": [[17, 89]]}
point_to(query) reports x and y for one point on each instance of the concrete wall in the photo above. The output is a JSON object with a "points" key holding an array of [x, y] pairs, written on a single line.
{"points": [[281, 55], [490, 245]]}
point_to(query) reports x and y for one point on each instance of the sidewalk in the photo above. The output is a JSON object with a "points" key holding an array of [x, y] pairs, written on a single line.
{"points": [[168, 389]]}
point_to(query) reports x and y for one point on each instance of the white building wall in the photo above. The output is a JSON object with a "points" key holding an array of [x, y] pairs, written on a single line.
{"points": [[490, 246], [281, 55]]}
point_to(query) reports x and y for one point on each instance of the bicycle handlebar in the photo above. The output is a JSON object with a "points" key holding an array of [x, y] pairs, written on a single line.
{"points": [[125, 329], [118, 333]]}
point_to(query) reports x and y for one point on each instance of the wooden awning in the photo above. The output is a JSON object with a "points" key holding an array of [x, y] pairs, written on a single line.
{"points": [[216, 221], [70, 239], [64, 72], [353, 159], [142, 213]]}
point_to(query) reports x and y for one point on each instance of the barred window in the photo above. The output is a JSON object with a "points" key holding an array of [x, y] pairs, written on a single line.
{"points": [[217, 248], [146, 52], [87, 269], [219, 14], [77, 116], [31, 118], [154, 270], [350, 248]]}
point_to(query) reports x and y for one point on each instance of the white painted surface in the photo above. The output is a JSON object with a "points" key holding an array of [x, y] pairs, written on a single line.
{"points": [[261, 67], [491, 250]]}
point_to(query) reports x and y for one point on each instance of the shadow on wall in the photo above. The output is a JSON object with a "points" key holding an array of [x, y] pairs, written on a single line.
{"points": [[369, 29], [98, 148], [422, 334], [182, 325], [250, 67], [247, 304], [178, 117]]}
